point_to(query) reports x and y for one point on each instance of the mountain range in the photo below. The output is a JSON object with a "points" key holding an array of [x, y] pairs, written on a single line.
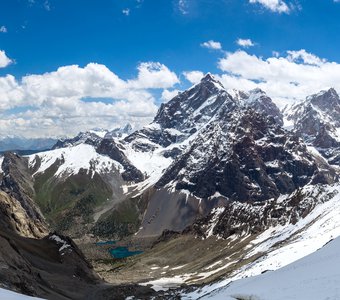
{"points": [[223, 173]]}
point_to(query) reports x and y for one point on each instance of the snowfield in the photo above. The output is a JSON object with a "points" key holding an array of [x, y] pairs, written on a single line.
{"points": [[72, 159], [314, 277], [9, 295]]}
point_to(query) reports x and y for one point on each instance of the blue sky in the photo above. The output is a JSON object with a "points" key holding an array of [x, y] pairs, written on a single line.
{"points": [[40, 36]]}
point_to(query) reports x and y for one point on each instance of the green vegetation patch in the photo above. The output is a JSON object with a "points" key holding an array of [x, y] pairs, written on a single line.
{"points": [[62, 200], [121, 222]]}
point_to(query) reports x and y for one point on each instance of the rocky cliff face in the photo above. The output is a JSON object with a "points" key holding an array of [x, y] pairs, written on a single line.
{"points": [[223, 146], [317, 121], [17, 198], [54, 268], [251, 218], [89, 138], [247, 158]]}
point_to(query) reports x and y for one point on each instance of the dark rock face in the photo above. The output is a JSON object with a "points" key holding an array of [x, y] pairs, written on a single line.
{"points": [[328, 101], [260, 102], [156, 135], [83, 137], [182, 116], [317, 121], [248, 158], [109, 148], [55, 268], [255, 217], [18, 183], [179, 112]]}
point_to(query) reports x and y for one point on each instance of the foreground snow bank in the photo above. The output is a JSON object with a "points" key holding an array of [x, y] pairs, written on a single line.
{"points": [[8, 295], [314, 277]]}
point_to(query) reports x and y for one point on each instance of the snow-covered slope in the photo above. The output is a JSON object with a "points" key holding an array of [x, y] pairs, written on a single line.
{"points": [[70, 160], [314, 277], [9, 295], [289, 240]]}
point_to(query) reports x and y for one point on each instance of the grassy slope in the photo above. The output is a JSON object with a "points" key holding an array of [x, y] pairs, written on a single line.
{"points": [[74, 199]]}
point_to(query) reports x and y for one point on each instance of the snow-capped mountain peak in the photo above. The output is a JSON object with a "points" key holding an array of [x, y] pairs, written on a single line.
{"points": [[99, 131], [119, 132], [209, 78], [317, 121], [325, 100]]}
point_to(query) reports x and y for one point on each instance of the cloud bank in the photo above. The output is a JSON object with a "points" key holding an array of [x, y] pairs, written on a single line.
{"points": [[75, 98], [285, 78]]}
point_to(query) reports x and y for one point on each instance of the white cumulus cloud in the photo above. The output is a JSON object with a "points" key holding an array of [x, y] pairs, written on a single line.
{"points": [[278, 6], [3, 29], [74, 98], [212, 45], [168, 95], [153, 75], [245, 43], [193, 76], [285, 78], [4, 60], [126, 11]]}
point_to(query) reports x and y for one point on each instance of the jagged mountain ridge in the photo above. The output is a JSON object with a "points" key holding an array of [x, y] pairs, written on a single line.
{"points": [[209, 153], [183, 116], [205, 144], [94, 137], [247, 158], [223, 148], [317, 121], [18, 208]]}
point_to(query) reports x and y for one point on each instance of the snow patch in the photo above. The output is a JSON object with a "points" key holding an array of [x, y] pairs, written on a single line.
{"points": [[1, 161], [60, 241], [72, 159], [9, 295]]}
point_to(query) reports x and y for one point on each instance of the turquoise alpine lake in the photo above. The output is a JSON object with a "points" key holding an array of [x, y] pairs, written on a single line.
{"points": [[122, 252]]}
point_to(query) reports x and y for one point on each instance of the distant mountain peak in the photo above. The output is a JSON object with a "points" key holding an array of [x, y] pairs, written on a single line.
{"points": [[257, 91], [317, 120], [326, 100]]}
